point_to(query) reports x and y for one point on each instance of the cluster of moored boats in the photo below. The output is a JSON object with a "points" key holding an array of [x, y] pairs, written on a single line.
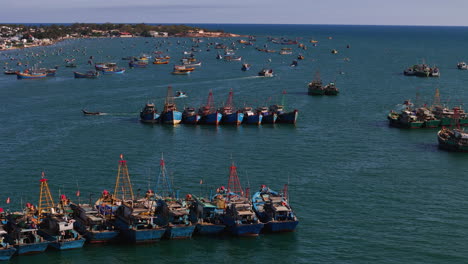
{"points": [[160, 214], [422, 70], [454, 139], [209, 115], [316, 87]]}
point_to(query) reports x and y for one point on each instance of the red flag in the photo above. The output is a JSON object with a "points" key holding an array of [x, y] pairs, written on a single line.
{"points": [[121, 156], [8, 200], [78, 193], [43, 174], [201, 181]]}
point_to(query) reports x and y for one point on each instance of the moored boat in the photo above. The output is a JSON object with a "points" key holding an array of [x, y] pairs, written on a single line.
{"points": [[170, 115], [245, 67], [93, 225], [208, 114], [453, 139], [251, 117], [59, 232], [462, 65], [267, 116], [316, 86], [330, 89], [273, 209], [284, 117], [190, 116], [6, 250], [22, 234], [31, 75], [229, 114], [209, 215], [149, 114], [88, 74]]}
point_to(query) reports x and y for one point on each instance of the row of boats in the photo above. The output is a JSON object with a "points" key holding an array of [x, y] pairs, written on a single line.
{"points": [[160, 214], [209, 115], [316, 87], [422, 70]]}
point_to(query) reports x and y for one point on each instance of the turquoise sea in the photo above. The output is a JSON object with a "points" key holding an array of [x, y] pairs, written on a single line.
{"points": [[363, 192]]}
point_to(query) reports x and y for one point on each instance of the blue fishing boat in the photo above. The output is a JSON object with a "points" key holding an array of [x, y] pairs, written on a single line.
{"points": [[22, 234], [273, 209], [190, 116], [93, 225], [267, 116], [149, 114], [138, 64], [171, 212], [251, 117], [113, 71], [6, 250], [208, 114], [284, 117], [88, 74], [229, 115], [207, 216], [170, 115], [59, 232], [137, 225], [239, 217]]}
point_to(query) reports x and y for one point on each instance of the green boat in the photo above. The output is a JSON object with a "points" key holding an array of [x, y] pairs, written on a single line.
{"points": [[316, 86], [409, 119], [445, 115], [453, 139], [425, 114], [330, 89]]}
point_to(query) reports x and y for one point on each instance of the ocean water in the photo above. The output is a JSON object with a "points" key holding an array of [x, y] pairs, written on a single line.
{"points": [[363, 192]]}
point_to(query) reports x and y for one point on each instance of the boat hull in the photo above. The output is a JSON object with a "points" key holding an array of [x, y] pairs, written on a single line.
{"points": [[253, 119], [20, 75], [150, 118], [232, 119], [7, 253], [179, 232], [190, 119], [32, 248], [209, 229], [100, 237], [287, 118], [171, 117], [142, 236], [84, 75], [432, 123], [246, 229], [280, 226], [66, 245], [211, 119], [269, 119], [316, 92]]}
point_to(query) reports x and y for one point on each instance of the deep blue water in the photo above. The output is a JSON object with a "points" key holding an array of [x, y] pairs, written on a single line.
{"points": [[364, 192]]}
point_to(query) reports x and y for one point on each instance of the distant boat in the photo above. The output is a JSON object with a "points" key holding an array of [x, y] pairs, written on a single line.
{"points": [[267, 116], [462, 66], [31, 75], [180, 94], [88, 74], [316, 86], [113, 71], [330, 89], [10, 72], [90, 113], [245, 67], [138, 64], [266, 73]]}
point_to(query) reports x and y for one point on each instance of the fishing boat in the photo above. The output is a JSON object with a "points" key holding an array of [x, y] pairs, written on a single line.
{"points": [[251, 117], [170, 115], [193, 64], [138, 64], [266, 73], [10, 72], [6, 250], [209, 216], [190, 116], [229, 114], [149, 114], [239, 218], [183, 68], [208, 114], [31, 75], [267, 116], [88, 74], [406, 119], [48, 72], [284, 117], [453, 139], [157, 61], [171, 212], [113, 70], [316, 86], [93, 225], [219, 56], [429, 119], [245, 66], [273, 209], [22, 234], [58, 230], [330, 89], [181, 72], [410, 71], [462, 66]]}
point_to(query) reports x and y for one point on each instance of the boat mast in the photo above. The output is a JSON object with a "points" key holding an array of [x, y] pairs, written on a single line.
{"points": [[210, 103], [45, 198], [123, 186], [234, 183], [436, 101], [163, 186], [169, 102], [229, 100]]}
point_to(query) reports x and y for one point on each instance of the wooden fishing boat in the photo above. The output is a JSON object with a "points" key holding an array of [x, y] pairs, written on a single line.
{"points": [[138, 64], [161, 62], [273, 209], [113, 71], [229, 114], [170, 115], [6, 250], [88, 75], [149, 114], [31, 75], [316, 86], [209, 215], [251, 117], [267, 116], [190, 116], [330, 89], [92, 225], [453, 139], [208, 114], [181, 72], [58, 230], [284, 117], [22, 234]]}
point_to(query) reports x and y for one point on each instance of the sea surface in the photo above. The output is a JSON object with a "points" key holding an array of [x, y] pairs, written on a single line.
{"points": [[364, 192]]}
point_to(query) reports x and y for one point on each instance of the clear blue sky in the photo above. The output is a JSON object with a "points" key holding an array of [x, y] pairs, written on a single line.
{"points": [[358, 12]]}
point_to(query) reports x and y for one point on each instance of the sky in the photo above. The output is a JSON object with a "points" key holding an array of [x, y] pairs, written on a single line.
{"points": [[347, 12]]}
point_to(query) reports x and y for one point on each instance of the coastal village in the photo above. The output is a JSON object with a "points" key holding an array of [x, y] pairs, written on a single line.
{"points": [[21, 36]]}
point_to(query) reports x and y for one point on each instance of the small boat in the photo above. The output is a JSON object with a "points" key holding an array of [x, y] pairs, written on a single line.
{"points": [[462, 66], [161, 62], [284, 117], [266, 73], [193, 64], [10, 72], [251, 117], [330, 89], [435, 72], [138, 64], [31, 75], [183, 68], [149, 114], [113, 70], [190, 116], [170, 115], [273, 209], [334, 51], [88, 74], [293, 63], [219, 56], [70, 65], [410, 71], [90, 113], [300, 57], [181, 72], [180, 94], [245, 66]]}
